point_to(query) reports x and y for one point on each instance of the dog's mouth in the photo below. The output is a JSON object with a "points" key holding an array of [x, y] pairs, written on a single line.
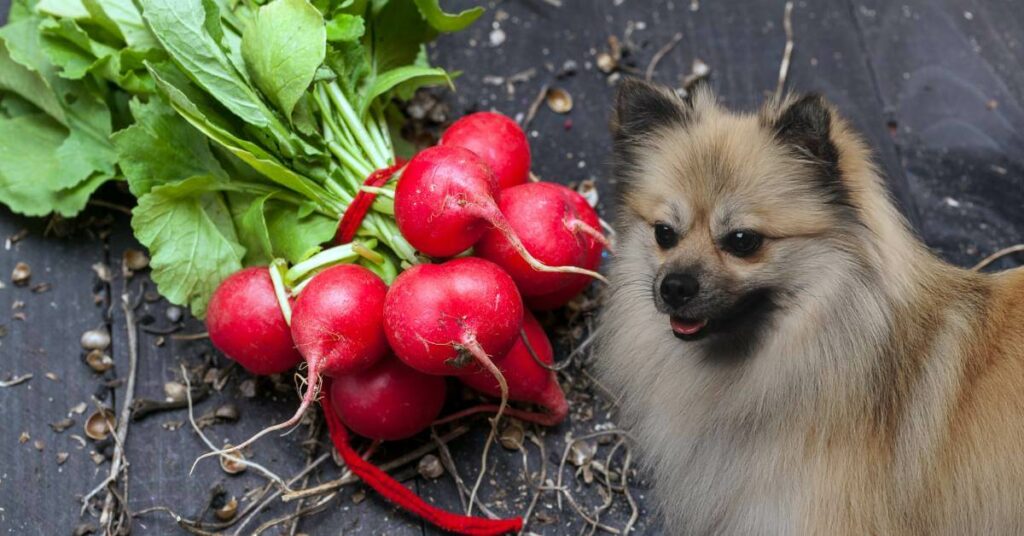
{"points": [[743, 319], [688, 329]]}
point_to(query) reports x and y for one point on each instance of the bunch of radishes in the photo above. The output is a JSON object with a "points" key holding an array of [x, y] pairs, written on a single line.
{"points": [[387, 348]]}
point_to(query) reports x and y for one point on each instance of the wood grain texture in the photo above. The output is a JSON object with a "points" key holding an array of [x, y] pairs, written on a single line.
{"points": [[955, 166], [949, 74]]}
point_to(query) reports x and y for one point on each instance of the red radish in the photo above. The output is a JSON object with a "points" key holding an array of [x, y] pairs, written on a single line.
{"points": [[337, 325], [498, 141], [245, 322], [557, 225], [528, 380], [337, 321], [439, 317], [388, 401], [441, 198], [445, 202]]}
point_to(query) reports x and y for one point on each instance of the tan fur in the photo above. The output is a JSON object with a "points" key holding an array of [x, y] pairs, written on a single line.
{"points": [[888, 396]]}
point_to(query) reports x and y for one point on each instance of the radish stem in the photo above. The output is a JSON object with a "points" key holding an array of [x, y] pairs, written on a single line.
{"points": [[337, 254], [276, 267]]}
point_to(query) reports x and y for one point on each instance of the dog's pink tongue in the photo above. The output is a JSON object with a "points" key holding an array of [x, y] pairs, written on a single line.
{"points": [[685, 327]]}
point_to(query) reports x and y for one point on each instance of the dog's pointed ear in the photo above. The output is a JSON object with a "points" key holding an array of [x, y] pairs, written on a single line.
{"points": [[805, 124], [642, 107]]}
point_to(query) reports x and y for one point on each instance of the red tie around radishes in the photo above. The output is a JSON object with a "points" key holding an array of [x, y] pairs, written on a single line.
{"points": [[395, 492], [362, 202]]}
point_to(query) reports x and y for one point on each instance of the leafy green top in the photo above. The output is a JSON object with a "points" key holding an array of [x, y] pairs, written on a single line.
{"points": [[244, 128]]}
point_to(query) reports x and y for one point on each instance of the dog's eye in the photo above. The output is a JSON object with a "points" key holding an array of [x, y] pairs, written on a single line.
{"points": [[742, 243], [665, 235]]}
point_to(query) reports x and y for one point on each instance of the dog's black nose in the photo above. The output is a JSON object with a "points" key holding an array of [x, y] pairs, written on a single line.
{"points": [[677, 289]]}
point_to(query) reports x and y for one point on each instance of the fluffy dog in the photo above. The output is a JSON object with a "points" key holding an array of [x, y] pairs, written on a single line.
{"points": [[790, 357]]}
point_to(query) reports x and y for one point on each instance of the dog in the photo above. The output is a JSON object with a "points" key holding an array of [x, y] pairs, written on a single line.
{"points": [[789, 357]]}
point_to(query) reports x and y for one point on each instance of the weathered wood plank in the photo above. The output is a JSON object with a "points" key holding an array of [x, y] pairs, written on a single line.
{"points": [[37, 493], [951, 79], [947, 145]]}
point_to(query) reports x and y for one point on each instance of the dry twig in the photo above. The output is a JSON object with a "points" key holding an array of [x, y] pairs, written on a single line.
{"points": [[190, 336], [192, 420], [787, 53], [118, 463], [998, 255], [449, 464], [349, 478], [540, 480], [15, 380], [665, 49], [531, 112]]}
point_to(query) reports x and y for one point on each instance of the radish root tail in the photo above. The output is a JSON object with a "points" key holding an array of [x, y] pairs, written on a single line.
{"points": [[470, 343], [497, 219], [577, 226], [308, 398], [551, 418]]}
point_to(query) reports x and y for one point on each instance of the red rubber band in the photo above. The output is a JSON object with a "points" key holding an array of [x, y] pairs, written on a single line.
{"points": [[361, 203], [400, 495]]}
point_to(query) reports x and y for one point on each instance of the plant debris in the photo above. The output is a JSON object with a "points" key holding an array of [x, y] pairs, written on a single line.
{"points": [[430, 467], [229, 464], [173, 314], [62, 424], [133, 261], [512, 436], [99, 361], [559, 100], [15, 380], [15, 238], [102, 272], [100, 424], [608, 62], [228, 511], [96, 339], [21, 274], [143, 407], [698, 71], [175, 391]]}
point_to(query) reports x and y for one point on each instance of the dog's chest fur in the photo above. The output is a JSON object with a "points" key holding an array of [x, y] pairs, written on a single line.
{"points": [[746, 449], [718, 474]]}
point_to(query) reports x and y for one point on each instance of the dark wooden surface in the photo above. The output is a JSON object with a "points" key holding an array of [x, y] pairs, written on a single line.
{"points": [[937, 88]]}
